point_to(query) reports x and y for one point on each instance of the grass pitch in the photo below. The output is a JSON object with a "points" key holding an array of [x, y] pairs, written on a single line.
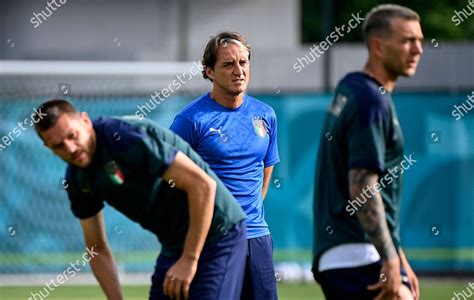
{"points": [[430, 290]]}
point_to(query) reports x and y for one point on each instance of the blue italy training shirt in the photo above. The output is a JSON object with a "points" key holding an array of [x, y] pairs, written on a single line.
{"points": [[237, 144]]}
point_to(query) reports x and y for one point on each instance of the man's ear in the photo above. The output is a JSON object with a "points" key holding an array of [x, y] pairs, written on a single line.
{"points": [[46, 145], [41, 137], [85, 118], [210, 73], [376, 46]]}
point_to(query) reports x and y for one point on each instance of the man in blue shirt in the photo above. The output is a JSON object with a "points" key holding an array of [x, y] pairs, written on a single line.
{"points": [[154, 178], [237, 136]]}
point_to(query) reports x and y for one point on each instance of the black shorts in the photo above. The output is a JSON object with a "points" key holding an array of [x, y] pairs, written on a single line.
{"points": [[351, 283]]}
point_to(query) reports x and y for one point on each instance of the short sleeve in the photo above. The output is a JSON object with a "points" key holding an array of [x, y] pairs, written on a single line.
{"points": [[272, 156], [83, 203], [143, 146], [186, 129], [367, 131], [157, 148]]}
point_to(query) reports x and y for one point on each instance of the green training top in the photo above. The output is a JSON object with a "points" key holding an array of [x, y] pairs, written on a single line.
{"points": [[126, 171], [361, 130]]}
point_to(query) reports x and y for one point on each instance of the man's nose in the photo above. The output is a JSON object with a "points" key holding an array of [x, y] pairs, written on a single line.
{"points": [[417, 48], [70, 146], [238, 69]]}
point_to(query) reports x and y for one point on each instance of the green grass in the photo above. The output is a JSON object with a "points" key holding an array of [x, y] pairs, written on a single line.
{"points": [[418, 254], [431, 290]]}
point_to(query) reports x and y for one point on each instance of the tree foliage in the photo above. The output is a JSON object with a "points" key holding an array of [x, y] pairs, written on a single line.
{"points": [[436, 18]]}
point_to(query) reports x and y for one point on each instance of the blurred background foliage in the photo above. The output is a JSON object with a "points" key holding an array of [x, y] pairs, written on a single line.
{"points": [[436, 18]]}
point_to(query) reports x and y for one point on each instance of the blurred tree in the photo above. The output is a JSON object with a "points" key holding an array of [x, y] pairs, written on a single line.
{"points": [[436, 18]]}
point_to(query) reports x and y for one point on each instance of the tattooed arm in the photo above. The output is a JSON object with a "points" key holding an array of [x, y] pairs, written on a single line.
{"points": [[371, 216]]}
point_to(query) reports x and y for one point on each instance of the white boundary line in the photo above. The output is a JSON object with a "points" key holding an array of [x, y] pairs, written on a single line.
{"points": [[85, 278], [91, 68]]}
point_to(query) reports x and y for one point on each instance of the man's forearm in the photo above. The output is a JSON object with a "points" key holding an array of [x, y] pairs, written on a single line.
{"points": [[265, 189], [403, 258], [103, 266], [267, 175], [201, 206], [371, 214]]}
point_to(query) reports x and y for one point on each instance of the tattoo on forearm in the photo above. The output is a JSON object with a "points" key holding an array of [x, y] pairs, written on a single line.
{"points": [[371, 214]]}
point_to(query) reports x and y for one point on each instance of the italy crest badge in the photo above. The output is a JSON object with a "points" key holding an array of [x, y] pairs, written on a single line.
{"points": [[259, 127], [114, 172]]}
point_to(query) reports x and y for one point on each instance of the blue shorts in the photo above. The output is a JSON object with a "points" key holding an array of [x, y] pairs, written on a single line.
{"points": [[220, 271], [259, 281], [351, 283]]}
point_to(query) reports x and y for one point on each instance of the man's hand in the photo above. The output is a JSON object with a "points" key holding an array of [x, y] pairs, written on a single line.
{"points": [[412, 279], [390, 280], [201, 191], [178, 278]]}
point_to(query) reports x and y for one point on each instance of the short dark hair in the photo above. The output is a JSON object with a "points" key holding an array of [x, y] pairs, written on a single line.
{"points": [[379, 19], [210, 52], [53, 109]]}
